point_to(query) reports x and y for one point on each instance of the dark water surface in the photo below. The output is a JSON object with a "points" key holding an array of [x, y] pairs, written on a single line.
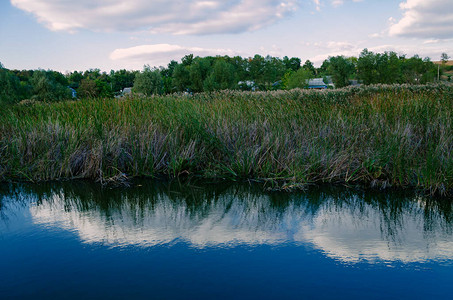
{"points": [[162, 240]]}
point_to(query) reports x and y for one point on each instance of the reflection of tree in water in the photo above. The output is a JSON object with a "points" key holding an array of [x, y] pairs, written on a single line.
{"points": [[246, 207], [11, 198]]}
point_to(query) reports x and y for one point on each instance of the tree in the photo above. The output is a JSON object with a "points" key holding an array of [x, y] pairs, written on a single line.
{"points": [[148, 82], [181, 79], [240, 66], [256, 70], [292, 63], [87, 88], [274, 70], [221, 77], [187, 60], [394, 68], [340, 69], [366, 67], [308, 65], [10, 88], [417, 71], [49, 86], [323, 70], [167, 77], [75, 78], [198, 72], [121, 79], [298, 79], [444, 58]]}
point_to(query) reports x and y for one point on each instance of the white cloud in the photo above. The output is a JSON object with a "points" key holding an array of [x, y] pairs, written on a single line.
{"points": [[425, 19], [336, 3], [317, 4], [161, 54], [168, 16], [272, 51], [341, 46]]}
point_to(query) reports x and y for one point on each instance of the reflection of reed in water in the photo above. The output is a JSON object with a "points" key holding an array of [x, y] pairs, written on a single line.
{"points": [[344, 224]]}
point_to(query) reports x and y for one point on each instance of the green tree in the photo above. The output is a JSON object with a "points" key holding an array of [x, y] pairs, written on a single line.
{"points": [[167, 77], [340, 69], [298, 79], [75, 78], [444, 58], [181, 80], [308, 65], [221, 77], [10, 87], [275, 69], [256, 70], [394, 68], [323, 70], [148, 82], [187, 60], [417, 71], [240, 66], [198, 72], [366, 67], [49, 86], [121, 79], [292, 63], [87, 88]]}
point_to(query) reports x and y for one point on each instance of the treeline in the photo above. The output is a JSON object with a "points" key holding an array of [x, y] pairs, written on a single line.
{"points": [[200, 74], [42, 85]]}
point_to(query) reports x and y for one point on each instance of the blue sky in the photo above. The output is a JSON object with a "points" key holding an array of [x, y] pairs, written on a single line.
{"points": [[67, 35]]}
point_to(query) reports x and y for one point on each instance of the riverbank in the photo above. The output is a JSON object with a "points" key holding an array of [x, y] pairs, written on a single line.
{"points": [[380, 136]]}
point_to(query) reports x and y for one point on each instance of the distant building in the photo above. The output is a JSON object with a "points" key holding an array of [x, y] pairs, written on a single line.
{"points": [[73, 92], [317, 84], [127, 91], [320, 83], [354, 83], [277, 85], [247, 85]]}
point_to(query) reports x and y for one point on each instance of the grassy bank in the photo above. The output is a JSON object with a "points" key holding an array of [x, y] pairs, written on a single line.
{"points": [[379, 136]]}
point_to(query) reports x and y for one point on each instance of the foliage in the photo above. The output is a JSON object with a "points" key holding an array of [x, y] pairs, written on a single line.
{"points": [[308, 66], [94, 88], [298, 79], [9, 87], [148, 82], [340, 69], [122, 79], [222, 77], [292, 63], [390, 68], [75, 79], [49, 86]]}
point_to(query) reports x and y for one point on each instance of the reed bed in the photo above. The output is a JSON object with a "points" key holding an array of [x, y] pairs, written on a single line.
{"points": [[380, 136]]}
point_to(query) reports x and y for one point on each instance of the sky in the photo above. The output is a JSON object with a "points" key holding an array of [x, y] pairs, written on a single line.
{"points": [[68, 35]]}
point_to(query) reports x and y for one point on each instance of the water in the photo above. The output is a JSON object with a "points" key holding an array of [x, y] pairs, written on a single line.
{"points": [[171, 240]]}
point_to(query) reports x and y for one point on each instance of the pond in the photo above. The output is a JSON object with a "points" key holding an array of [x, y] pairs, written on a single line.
{"points": [[166, 240]]}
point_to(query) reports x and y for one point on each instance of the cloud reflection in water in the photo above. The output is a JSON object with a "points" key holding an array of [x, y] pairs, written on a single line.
{"points": [[345, 225]]}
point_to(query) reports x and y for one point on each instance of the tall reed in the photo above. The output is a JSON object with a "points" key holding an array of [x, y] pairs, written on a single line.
{"points": [[379, 136]]}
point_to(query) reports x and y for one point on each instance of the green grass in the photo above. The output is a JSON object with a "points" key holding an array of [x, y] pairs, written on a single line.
{"points": [[381, 136]]}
